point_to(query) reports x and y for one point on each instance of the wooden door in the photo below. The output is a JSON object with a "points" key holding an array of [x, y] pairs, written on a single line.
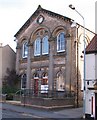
{"points": [[35, 86]]}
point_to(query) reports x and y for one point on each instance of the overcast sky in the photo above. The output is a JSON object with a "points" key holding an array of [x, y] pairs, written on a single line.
{"points": [[14, 13]]}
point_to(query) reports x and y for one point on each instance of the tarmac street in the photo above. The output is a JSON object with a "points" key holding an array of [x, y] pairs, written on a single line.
{"points": [[18, 111]]}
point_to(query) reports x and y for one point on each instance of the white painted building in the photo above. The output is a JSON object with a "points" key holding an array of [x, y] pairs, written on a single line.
{"points": [[91, 79]]}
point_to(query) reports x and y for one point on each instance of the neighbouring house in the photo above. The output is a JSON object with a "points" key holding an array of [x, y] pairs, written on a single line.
{"points": [[49, 54], [91, 79], [7, 60]]}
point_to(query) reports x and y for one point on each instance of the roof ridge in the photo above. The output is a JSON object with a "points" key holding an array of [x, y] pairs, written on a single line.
{"points": [[92, 46], [28, 22]]}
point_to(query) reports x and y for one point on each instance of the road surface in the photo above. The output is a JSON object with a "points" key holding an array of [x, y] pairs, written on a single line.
{"points": [[13, 111]]}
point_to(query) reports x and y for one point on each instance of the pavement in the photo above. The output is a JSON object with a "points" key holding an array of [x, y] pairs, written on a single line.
{"points": [[71, 112], [37, 106]]}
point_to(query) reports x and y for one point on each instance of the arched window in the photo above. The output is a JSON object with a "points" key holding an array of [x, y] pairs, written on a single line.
{"points": [[61, 42], [60, 82], [36, 76], [37, 47], [23, 81], [44, 79], [44, 83], [25, 50], [45, 45]]}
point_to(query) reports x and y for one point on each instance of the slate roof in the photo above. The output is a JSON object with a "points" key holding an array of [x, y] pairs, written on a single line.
{"points": [[34, 15], [92, 47]]}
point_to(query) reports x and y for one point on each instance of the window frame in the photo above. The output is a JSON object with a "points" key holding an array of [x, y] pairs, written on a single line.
{"points": [[61, 41], [43, 45], [22, 82], [35, 43], [60, 82], [23, 50]]}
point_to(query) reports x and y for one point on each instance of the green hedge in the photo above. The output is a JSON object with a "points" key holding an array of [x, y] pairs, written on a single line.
{"points": [[9, 91]]}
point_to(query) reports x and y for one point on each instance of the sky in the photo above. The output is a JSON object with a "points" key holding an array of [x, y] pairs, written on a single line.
{"points": [[14, 13]]}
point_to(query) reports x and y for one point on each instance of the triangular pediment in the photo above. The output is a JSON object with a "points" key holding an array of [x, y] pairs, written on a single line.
{"points": [[38, 15]]}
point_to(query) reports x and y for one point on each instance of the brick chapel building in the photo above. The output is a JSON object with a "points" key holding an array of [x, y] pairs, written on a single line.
{"points": [[49, 53]]}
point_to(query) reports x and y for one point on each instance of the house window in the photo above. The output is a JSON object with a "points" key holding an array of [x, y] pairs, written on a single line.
{"points": [[41, 46], [45, 45], [44, 83], [60, 82], [61, 42], [25, 50], [44, 79], [37, 47], [23, 81]]}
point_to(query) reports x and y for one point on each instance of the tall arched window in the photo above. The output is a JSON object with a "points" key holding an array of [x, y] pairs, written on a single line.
{"points": [[23, 81], [37, 47], [45, 45], [61, 42], [60, 82], [25, 50]]}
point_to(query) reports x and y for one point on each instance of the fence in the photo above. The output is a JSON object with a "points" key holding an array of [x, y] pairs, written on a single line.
{"points": [[46, 98], [45, 93]]}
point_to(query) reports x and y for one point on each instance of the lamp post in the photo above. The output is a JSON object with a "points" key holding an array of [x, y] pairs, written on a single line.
{"points": [[84, 87]]}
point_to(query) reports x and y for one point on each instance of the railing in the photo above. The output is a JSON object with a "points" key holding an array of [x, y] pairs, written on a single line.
{"points": [[46, 93]]}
